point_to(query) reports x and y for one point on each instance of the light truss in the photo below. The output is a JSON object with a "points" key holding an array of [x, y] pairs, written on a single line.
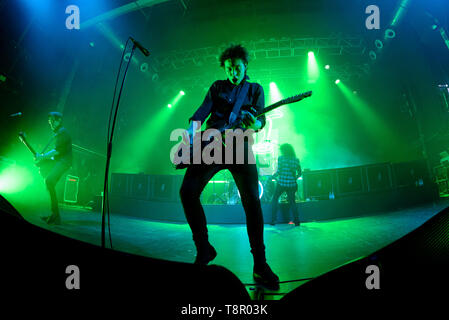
{"points": [[266, 49]]}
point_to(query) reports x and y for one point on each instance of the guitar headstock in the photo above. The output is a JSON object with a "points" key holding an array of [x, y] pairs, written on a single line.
{"points": [[22, 136]]}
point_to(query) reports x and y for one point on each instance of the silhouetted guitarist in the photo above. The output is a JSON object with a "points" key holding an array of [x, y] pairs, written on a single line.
{"points": [[61, 154]]}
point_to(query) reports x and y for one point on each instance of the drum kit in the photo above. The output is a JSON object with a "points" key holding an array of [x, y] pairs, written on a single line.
{"points": [[223, 190]]}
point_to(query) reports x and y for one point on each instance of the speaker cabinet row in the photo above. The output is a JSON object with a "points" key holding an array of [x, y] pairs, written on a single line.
{"points": [[146, 187], [327, 184]]}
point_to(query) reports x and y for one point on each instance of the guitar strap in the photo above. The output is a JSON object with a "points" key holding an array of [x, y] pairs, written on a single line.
{"points": [[48, 144], [238, 103]]}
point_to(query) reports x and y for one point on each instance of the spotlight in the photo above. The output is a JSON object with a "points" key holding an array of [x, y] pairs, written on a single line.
{"points": [[390, 34], [182, 93], [310, 53], [327, 67], [92, 44], [169, 105], [337, 81], [127, 56], [372, 55], [144, 67], [155, 77], [378, 44]]}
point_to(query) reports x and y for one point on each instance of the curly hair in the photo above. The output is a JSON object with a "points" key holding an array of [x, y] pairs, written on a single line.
{"points": [[234, 52], [287, 150]]}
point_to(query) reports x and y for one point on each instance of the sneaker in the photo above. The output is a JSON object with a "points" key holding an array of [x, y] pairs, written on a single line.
{"points": [[203, 257], [266, 277]]}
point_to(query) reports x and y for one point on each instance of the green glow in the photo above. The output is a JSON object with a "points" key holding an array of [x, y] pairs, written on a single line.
{"points": [[265, 146], [275, 94], [313, 71], [14, 179], [143, 142], [337, 81], [327, 67], [374, 125], [177, 98], [110, 35], [445, 37], [400, 12]]}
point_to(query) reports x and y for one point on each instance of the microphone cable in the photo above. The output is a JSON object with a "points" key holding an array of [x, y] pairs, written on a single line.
{"points": [[110, 135]]}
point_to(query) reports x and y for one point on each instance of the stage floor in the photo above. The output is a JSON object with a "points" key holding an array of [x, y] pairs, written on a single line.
{"points": [[294, 253]]}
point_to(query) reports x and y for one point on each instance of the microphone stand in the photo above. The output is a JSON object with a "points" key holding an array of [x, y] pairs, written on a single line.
{"points": [[109, 154]]}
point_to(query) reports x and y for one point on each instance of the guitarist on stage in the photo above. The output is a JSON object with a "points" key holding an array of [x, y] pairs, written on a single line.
{"points": [[62, 155], [289, 170], [219, 103]]}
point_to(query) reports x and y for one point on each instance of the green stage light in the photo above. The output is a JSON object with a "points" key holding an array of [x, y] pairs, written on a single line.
{"points": [[169, 105], [177, 98], [312, 68], [375, 125], [337, 81], [403, 6], [327, 67], [14, 179], [275, 94]]}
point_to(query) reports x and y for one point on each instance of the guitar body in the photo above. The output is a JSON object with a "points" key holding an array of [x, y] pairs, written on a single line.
{"points": [[183, 165], [45, 165], [225, 126]]}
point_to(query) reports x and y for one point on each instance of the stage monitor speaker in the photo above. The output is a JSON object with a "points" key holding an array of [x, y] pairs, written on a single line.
{"points": [[164, 187], [120, 184], [411, 173], [350, 181], [71, 189], [140, 187], [379, 177], [319, 184]]}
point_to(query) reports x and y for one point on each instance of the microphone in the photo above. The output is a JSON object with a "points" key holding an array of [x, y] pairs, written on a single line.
{"points": [[141, 48], [18, 114]]}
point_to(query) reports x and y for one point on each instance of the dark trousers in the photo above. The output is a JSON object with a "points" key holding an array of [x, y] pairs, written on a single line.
{"points": [[51, 180], [291, 201], [247, 181]]}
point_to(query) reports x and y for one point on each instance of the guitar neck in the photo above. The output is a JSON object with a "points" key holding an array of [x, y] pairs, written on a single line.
{"points": [[29, 147], [270, 108], [292, 99]]}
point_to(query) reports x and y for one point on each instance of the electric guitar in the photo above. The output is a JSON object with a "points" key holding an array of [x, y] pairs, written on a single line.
{"points": [[222, 127], [44, 165]]}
